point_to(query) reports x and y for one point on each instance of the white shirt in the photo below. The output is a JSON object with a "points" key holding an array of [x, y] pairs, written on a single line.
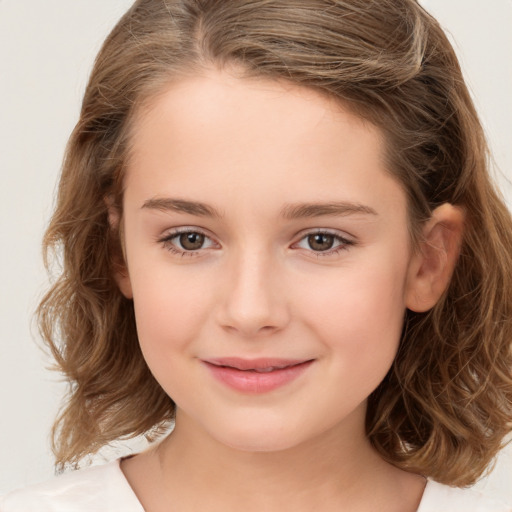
{"points": [[105, 489]]}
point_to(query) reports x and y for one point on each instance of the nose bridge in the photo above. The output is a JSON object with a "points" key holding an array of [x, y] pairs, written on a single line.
{"points": [[253, 301]]}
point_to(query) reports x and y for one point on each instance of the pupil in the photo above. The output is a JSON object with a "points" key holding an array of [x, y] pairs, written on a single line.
{"points": [[320, 242], [191, 241]]}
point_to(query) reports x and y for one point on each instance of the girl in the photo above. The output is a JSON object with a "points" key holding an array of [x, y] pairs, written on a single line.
{"points": [[279, 237]]}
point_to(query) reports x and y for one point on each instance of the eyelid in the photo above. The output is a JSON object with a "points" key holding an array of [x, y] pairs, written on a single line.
{"points": [[341, 235], [165, 240], [345, 241]]}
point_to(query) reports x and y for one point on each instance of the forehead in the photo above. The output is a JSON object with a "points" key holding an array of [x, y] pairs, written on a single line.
{"points": [[215, 133], [259, 106]]}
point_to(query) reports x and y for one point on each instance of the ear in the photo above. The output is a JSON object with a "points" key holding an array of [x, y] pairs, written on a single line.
{"points": [[431, 267], [121, 274]]}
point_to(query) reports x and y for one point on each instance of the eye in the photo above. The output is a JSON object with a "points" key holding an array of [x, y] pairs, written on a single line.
{"points": [[191, 241], [320, 241], [324, 242], [186, 242]]}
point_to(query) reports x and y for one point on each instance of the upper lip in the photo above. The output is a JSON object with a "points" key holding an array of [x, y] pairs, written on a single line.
{"points": [[261, 363]]}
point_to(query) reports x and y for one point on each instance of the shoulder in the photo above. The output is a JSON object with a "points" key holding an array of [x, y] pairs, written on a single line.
{"points": [[442, 497], [95, 488]]}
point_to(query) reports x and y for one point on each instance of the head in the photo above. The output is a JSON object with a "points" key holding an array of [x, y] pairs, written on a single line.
{"points": [[390, 66]]}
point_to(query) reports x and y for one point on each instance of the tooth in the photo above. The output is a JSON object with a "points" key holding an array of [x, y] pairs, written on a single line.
{"points": [[265, 370]]}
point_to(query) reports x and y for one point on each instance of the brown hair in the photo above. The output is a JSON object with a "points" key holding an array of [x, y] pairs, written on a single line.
{"points": [[445, 406]]}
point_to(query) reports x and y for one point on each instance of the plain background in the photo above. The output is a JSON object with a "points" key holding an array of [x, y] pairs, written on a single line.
{"points": [[46, 53]]}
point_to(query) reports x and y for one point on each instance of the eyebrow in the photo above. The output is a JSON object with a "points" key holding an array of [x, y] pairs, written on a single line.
{"points": [[338, 208], [182, 206], [289, 211]]}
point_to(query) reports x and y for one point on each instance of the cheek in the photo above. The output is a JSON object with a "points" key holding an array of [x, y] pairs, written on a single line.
{"points": [[169, 311], [170, 308], [359, 316]]}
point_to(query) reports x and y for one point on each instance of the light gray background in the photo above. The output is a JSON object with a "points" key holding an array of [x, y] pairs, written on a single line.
{"points": [[46, 52]]}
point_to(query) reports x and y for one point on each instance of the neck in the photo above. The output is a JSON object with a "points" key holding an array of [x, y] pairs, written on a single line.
{"points": [[339, 468]]}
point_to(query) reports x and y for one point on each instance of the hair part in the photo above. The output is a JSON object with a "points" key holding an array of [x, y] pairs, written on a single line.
{"points": [[446, 405]]}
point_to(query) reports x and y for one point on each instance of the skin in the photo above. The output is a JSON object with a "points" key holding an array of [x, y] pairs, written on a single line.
{"points": [[257, 288]]}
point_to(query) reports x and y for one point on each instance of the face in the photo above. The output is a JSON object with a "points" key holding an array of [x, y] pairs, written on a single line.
{"points": [[267, 255]]}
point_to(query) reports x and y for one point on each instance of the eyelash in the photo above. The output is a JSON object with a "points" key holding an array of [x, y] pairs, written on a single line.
{"points": [[166, 241], [345, 243]]}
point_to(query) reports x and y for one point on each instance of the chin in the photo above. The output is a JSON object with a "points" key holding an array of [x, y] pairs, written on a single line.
{"points": [[257, 437]]}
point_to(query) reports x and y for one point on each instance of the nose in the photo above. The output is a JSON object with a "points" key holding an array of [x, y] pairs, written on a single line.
{"points": [[254, 296]]}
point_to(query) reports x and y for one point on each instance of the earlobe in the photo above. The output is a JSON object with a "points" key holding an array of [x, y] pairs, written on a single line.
{"points": [[122, 279], [120, 269], [431, 267]]}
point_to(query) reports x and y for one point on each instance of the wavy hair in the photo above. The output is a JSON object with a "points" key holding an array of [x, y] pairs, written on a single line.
{"points": [[445, 407]]}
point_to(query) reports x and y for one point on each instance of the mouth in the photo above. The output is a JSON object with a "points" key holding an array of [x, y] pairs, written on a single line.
{"points": [[264, 365], [256, 375]]}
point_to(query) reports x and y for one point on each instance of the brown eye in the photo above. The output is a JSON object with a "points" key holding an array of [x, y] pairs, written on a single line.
{"points": [[321, 241], [191, 241]]}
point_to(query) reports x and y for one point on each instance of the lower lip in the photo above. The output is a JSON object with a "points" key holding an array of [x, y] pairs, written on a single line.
{"points": [[248, 381]]}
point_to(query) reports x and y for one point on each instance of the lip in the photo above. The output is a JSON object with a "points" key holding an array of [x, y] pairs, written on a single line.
{"points": [[256, 376]]}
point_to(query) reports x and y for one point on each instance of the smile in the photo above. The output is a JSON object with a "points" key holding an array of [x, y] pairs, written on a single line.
{"points": [[257, 375]]}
